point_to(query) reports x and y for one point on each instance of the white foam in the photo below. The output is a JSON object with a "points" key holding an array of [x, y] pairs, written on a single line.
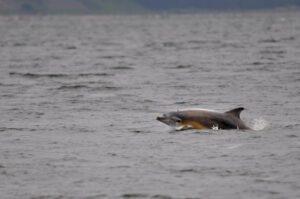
{"points": [[259, 124]]}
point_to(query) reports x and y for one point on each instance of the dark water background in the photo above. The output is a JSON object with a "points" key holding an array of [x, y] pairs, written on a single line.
{"points": [[80, 94]]}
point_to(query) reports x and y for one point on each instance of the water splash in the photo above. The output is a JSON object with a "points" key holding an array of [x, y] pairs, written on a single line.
{"points": [[259, 124]]}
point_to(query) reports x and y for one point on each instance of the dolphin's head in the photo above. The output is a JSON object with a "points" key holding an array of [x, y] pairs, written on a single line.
{"points": [[171, 119]]}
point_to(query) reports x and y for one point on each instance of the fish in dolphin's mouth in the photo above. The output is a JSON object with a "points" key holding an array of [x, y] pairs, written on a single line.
{"points": [[203, 119]]}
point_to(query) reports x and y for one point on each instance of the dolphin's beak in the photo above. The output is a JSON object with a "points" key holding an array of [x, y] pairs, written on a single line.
{"points": [[160, 118]]}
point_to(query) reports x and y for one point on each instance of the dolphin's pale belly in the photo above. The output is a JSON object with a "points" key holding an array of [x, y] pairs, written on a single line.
{"points": [[193, 125], [205, 123]]}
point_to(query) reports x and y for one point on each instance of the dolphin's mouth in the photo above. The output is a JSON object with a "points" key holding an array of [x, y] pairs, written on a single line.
{"points": [[168, 121], [160, 118], [173, 124], [165, 120]]}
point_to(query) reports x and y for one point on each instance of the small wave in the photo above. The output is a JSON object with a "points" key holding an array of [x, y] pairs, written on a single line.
{"points": [[257, 63], [47, 196], [141, 195], [92, 74], [188, 170], [290, 126], [121, 68], [4, 129], [204, 41], [86, 87], [170, 44], [71, 87], [8, 85], [181, 102], [52, 75], [273, 51], [18, 44], [134, 195], [33, 75], [271, 40], [161, 197], [112, 57], [108, 88], [259, 124], [70, 47], [183, 66]]}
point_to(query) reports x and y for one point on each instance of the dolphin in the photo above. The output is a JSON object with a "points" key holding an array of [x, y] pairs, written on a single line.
{"points": [[204, 119]]}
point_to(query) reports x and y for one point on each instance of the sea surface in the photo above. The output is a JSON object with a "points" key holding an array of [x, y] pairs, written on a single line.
{"points": [[79, 97]]}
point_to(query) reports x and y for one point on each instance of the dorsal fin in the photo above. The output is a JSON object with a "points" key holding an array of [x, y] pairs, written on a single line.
{"points": [[235, 112]]}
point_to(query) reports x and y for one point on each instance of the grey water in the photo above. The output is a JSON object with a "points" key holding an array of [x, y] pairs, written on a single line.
{"points": [[80, 94]]}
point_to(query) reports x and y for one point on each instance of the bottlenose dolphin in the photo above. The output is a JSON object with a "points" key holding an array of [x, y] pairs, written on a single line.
{"points": [[204, 119]]}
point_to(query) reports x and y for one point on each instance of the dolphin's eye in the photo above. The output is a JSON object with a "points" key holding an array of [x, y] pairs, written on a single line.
{"points": [[177, 119]]}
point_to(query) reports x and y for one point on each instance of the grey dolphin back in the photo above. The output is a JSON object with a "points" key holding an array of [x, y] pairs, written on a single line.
{"points": [[235, 112]]}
